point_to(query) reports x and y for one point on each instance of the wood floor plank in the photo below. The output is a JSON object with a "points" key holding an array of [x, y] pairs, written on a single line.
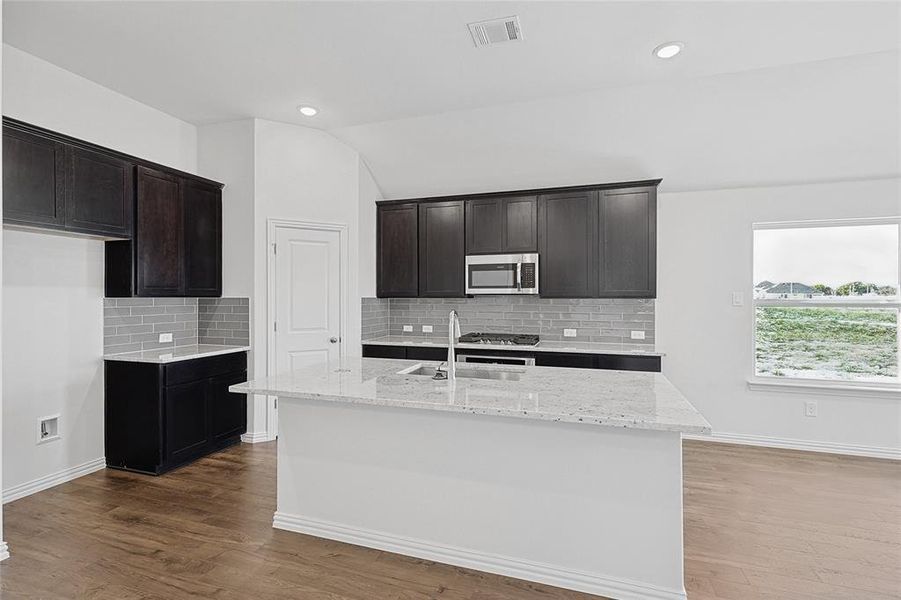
{"points": [[760, 524]]}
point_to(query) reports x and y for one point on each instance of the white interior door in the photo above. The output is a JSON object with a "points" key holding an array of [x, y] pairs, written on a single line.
{"points": [[307, 325]]}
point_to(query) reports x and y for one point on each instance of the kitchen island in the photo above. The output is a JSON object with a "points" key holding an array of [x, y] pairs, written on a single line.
{"points": [[569, 477]]}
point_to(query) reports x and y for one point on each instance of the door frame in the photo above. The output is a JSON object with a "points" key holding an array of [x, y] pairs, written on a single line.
{"points": [[273, 225]]}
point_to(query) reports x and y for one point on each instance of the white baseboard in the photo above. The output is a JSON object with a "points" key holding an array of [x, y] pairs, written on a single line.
{"points": [[4, 551], [805, 445], [48, 481], [255, 437], [619, 589]]}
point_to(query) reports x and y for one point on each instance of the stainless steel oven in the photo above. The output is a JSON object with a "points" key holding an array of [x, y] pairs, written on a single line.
{"points": [[502, 274]]}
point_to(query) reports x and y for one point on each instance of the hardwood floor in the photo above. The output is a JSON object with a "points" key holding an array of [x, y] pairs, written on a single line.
{"points": [[759, 524]]}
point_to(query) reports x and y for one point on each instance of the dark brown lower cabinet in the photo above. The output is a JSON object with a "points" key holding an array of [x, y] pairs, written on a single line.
{"points": [[160, 416], [617, 362]]}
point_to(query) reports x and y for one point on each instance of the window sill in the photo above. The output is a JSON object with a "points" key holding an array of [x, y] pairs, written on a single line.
{"points": [[795, 386]]}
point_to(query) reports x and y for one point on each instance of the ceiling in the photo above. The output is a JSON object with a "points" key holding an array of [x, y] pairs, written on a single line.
{"points": [[367, 62]]}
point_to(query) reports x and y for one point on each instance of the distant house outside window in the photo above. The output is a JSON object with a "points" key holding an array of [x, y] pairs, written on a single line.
{"points": [[826, 301]]}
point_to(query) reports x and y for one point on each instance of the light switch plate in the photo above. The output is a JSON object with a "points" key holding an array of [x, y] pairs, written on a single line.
{"points": [[408, 329], [165, 337], [427, 329], [738, 299], [569, 333], [638, 335]]}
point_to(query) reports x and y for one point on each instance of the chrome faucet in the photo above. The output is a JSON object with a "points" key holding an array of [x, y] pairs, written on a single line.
{"points": [[453, 334]]}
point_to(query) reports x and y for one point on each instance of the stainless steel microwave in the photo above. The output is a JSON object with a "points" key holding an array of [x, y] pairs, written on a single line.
{"points": [[502, 274]]}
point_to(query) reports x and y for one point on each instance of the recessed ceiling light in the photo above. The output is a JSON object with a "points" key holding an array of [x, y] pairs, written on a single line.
{"points": [[668, 49], [308, 111]]}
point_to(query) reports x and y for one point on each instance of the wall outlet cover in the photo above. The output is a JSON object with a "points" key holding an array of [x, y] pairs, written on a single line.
{"points": [[427, 329], [638, 335], [408, 329], [165, 337], [810, 408], [569, 333], [48, 429]]}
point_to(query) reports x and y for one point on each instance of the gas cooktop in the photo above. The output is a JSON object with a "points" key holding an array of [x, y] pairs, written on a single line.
{"points": [[517, 339]]}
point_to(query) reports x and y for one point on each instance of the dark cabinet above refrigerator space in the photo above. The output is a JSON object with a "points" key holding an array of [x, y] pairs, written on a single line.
{"points": [[596, 241]]}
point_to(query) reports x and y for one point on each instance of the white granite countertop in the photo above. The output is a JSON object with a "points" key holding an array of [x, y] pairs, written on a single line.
{"points": [[167, 355], [543, 346], [626, 399]]}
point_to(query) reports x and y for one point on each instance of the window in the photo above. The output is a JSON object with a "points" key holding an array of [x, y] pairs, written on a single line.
{"points": [[826, 301]]}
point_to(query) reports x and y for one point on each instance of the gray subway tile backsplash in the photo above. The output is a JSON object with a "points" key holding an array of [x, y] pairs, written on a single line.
{"points": [[132, 324], [224, 321], [594, 319]]}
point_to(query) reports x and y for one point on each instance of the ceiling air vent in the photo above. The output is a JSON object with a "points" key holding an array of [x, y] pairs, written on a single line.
{"points": [[496, 31]]}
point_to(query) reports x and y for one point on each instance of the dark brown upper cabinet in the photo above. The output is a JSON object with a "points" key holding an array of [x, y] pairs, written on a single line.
{"points": [[441, 249], [397, 250], [177, 246], [592, 241], [627, 243], [99, 193], [501, 225], [159, 235], [50, 183], [567, 239], [34, 179], [203, 239]]}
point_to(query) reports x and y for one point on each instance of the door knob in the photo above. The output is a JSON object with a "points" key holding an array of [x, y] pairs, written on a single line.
{"points": [[333, 340]]}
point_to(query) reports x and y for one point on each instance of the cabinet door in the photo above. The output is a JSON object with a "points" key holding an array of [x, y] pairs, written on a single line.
{"points": [[484, 226], [441, 249], [228, 411], [567, 229], [33, 179], [397, 251], [627, 243], [187, 426], [203, 239], [100, 194], [159, 230], [501, 225], [520, 224]]}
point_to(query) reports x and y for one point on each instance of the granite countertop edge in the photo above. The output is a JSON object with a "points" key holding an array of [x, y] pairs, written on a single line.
{"points": [[543, 346], [616, 399], [177, 354]]}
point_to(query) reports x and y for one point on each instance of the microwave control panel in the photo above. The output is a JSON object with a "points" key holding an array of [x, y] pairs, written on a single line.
{"points": [[528, 275]]}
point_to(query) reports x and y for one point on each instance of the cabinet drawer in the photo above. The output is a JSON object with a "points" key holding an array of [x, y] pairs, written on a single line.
{"points": [[204, 368], [379, 351]]}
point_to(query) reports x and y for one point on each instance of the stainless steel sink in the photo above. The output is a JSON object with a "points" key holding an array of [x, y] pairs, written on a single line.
{"points": [[428, 371]]}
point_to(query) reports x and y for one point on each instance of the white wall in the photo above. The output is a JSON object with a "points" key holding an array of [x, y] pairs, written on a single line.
{"points": [[369, 194], [53, 286], [830, 120], [52, 344], [225, 153], [704, 254]]}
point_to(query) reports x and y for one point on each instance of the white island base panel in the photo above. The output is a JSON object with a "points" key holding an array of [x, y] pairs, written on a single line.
{"points": [[593, 509]]}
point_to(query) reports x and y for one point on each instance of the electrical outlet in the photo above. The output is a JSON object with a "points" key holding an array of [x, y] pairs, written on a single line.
{"points": [[810, 408], [165, 337], [569, 333], [738, 299], [408, 329], [427, 329], [638, 335]]}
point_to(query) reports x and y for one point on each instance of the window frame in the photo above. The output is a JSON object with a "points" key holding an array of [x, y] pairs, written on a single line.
{"points": [[803, 384]]}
